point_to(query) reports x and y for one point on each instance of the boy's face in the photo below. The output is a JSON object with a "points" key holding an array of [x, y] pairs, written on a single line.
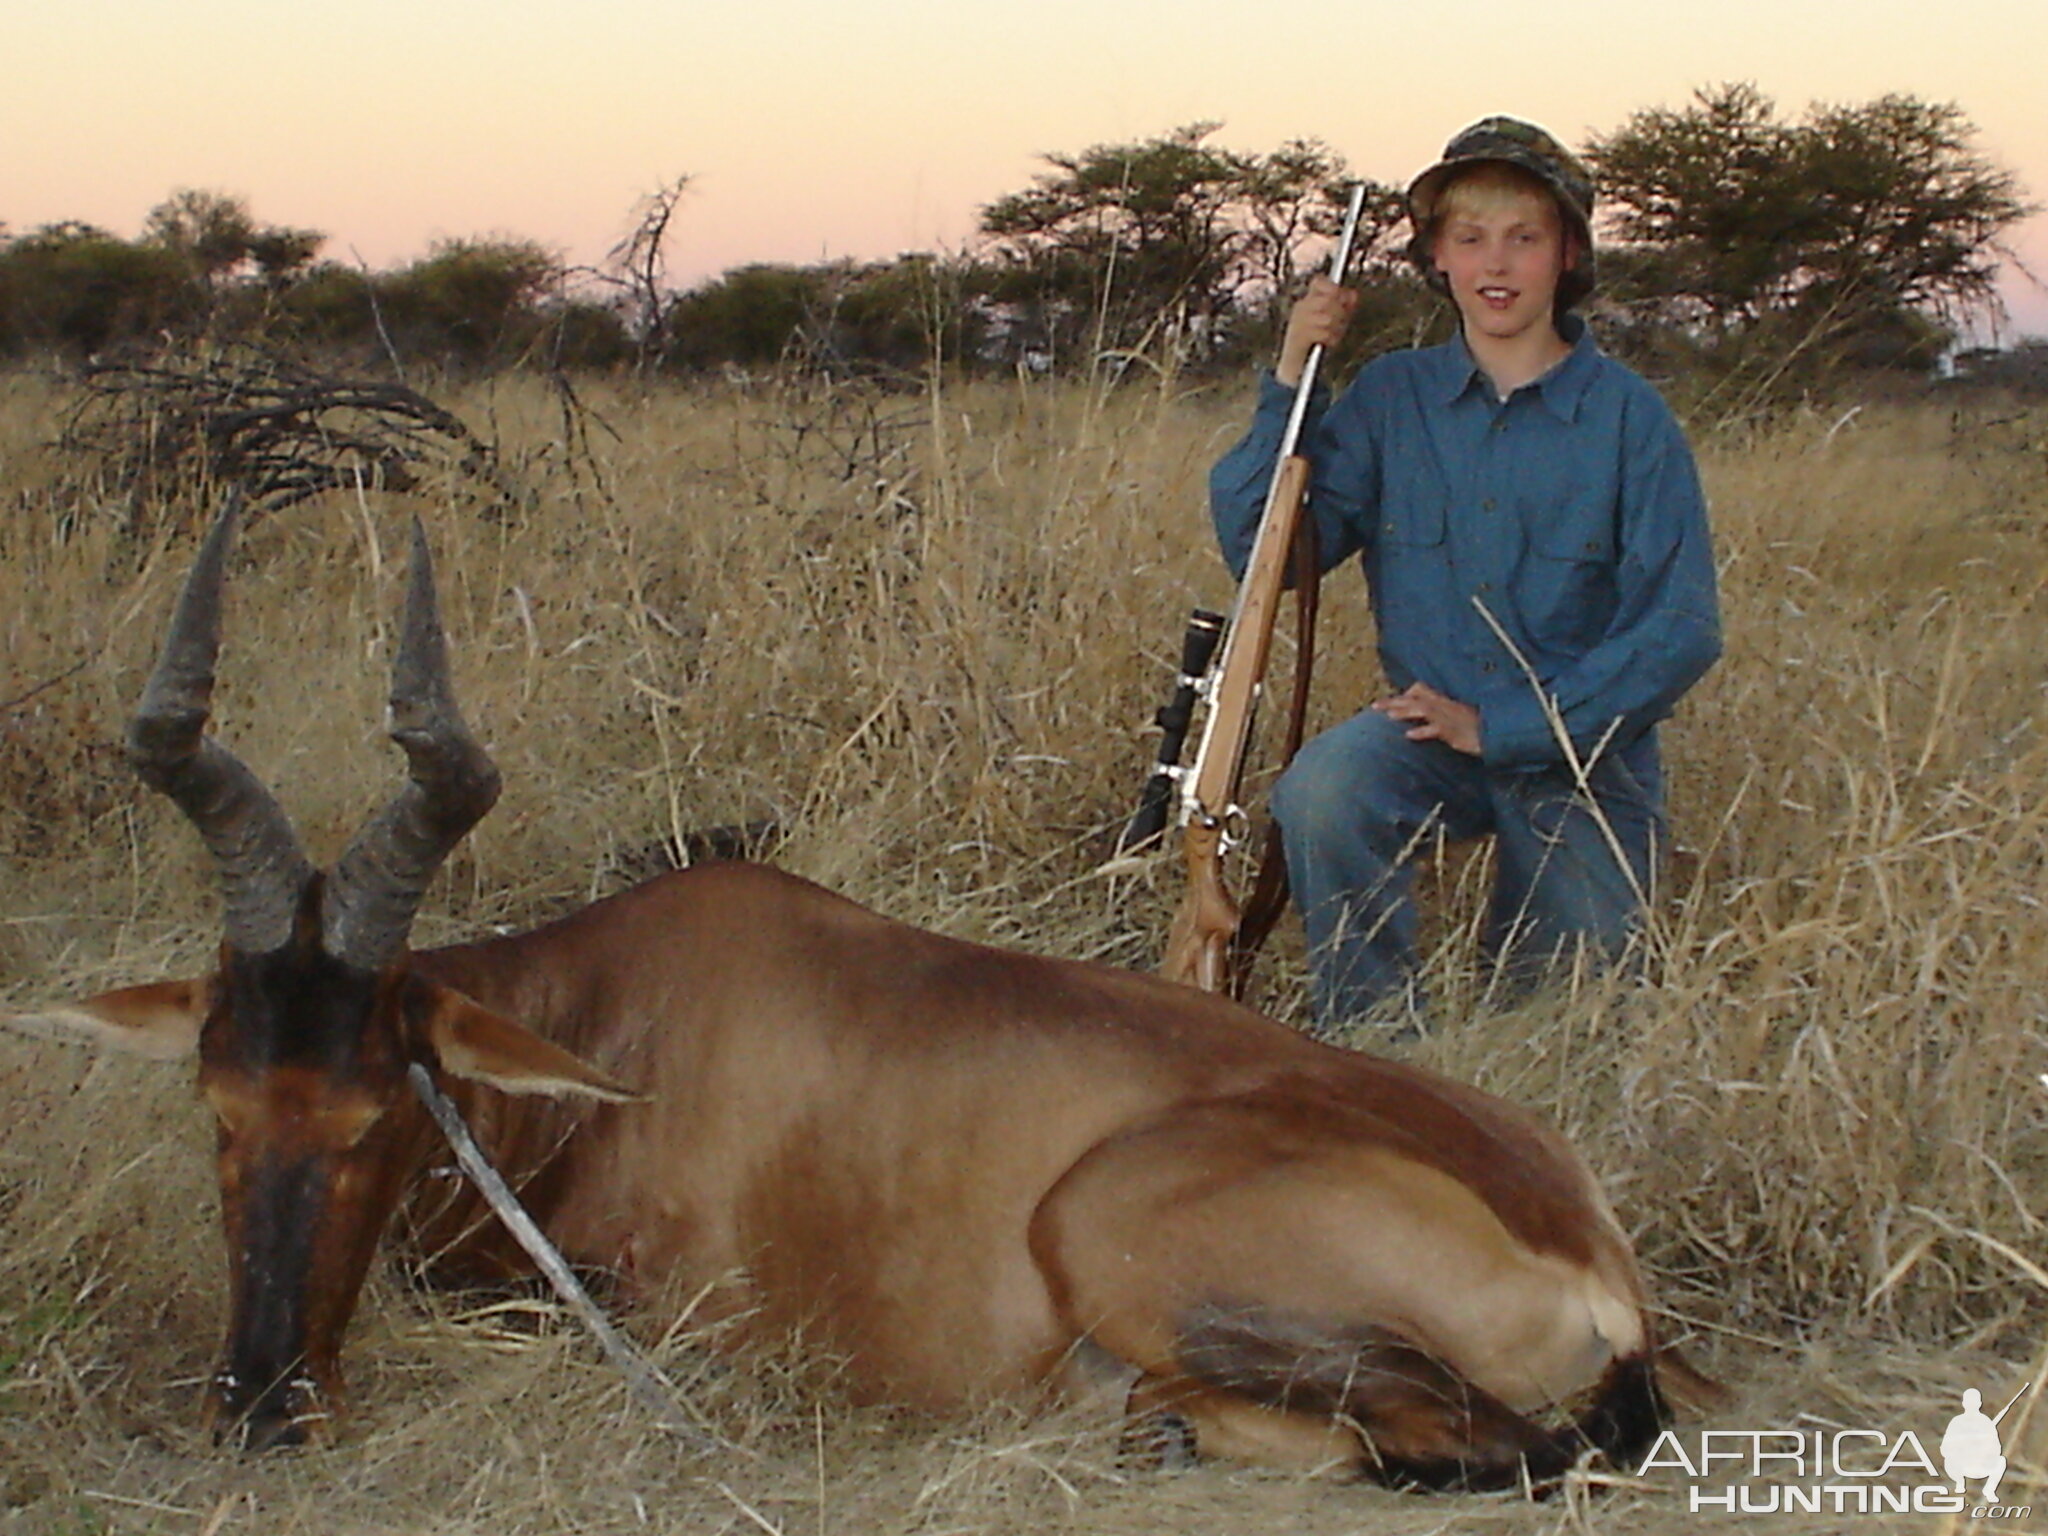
{"points": [[1502, 255]]}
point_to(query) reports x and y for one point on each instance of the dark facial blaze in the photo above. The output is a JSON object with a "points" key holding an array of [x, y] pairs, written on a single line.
{"points": [[303, 1064]]}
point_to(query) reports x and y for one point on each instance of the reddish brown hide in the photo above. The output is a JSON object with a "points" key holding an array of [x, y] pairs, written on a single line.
{"points": [[965, 1171]]}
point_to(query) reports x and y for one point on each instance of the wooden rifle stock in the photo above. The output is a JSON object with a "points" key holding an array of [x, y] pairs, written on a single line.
{"points": [[1199, 944]]}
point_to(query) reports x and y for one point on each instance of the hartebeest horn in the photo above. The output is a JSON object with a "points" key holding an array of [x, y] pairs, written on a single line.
{"points": [[377, 883], [262, 868]]}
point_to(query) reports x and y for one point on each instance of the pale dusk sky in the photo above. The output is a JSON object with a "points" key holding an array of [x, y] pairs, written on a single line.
{"points": [[862, 129]]}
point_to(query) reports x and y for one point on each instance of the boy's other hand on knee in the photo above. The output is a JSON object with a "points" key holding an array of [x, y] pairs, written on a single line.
{"points": [[1432, 716]]}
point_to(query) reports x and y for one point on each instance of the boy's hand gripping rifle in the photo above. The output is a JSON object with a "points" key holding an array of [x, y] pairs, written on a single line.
{"points": [[1200, 945]]}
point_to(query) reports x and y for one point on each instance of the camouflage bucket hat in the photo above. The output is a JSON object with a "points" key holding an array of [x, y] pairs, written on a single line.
{"points": [[1509, 141]]}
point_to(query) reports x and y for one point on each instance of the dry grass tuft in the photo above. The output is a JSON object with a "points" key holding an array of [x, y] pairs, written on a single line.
{"points": [[923, 633]]}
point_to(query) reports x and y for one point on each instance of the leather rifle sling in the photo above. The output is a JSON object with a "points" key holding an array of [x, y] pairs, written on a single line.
{"points": [[1268, 896]]}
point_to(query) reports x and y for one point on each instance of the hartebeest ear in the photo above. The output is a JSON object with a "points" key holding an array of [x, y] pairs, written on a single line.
{"points": [[485, 1047], [160, 1020]]}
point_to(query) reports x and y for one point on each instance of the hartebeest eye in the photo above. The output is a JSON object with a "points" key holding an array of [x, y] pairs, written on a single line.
{"points": [[317, 1119]]}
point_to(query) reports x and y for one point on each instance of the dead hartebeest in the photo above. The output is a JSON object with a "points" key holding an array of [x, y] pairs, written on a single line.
{"points": [[963, 1171]]}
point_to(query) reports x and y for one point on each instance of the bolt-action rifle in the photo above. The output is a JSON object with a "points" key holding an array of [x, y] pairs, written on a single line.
{"points": [[1209, 925]]}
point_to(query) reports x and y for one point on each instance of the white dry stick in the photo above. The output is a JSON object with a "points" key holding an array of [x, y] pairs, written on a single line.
{"points": [[643, 1380], [1581, 764]]}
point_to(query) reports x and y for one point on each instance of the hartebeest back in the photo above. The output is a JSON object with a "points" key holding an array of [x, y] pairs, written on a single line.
{"points": [[966, 1171]]}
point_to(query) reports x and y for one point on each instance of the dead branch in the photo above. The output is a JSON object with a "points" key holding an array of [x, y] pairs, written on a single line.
{"points": [[281, 430]]}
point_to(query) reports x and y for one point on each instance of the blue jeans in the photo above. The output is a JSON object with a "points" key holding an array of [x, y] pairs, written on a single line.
{"points": [[1360, 801]]}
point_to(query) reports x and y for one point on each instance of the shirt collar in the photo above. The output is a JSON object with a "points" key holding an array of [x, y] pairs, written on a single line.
{"points": [[1560, 390]]}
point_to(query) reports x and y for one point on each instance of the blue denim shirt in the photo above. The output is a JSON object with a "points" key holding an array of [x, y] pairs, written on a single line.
{"points": [[1570, 513]]}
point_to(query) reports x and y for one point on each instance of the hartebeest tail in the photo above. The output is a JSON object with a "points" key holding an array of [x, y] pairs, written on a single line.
{"points": [[964, 1171]]}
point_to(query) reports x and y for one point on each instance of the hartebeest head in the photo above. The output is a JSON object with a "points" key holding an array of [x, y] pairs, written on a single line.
{"points": [[305, 1031]]}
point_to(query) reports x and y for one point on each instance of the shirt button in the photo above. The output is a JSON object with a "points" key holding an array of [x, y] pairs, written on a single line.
{"points": [[1486, 505]]}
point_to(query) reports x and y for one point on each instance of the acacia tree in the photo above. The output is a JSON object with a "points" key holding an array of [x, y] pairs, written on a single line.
{"points": [[1121, 242], [220, 240], [1915, 212], [1731, 223], [1291, 200]]}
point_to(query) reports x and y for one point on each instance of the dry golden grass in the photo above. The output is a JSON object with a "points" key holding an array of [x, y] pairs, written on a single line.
{"points": [[923, 633]]}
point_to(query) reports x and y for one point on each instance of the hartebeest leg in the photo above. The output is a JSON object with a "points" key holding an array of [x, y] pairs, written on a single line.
{"points": [[1302, 1297], [1179, 1417]]}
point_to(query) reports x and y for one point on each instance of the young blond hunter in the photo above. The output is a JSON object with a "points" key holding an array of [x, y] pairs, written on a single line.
{"points": [[1534, 540]]}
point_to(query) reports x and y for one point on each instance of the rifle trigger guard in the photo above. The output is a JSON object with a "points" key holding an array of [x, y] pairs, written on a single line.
{"points": [[1236, 826], [1232, 827]]}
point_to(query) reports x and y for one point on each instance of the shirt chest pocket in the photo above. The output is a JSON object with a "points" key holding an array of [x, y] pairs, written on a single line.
{"points": [[1409, 564], [1412, 514], [1567, 589]]}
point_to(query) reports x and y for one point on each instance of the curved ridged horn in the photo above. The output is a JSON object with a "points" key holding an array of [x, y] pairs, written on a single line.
{"points": [[263, 872], [376, 885]]}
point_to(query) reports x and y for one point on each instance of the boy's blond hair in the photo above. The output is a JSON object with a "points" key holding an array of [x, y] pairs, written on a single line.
{"points": [[1486, 187]]}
